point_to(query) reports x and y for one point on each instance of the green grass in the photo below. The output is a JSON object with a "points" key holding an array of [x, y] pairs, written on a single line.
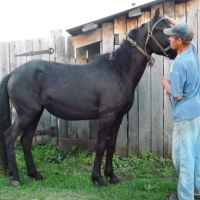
{"points": [[67, 176]]}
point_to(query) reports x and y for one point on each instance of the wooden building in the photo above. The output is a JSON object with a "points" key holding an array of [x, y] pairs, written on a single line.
{"points": [[148, 125]]}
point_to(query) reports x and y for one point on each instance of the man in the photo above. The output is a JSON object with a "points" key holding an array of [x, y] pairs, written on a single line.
{"points": [[184, 86]]}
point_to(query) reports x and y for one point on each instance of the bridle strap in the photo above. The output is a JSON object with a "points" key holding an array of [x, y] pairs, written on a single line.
{"points": [[151, 59], [150, 35]]}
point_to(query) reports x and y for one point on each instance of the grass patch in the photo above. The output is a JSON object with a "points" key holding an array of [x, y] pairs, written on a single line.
{"points": [[67, 176]]}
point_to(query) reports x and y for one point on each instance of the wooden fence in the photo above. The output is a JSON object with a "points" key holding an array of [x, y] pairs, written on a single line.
{"points": [[148, 125]]}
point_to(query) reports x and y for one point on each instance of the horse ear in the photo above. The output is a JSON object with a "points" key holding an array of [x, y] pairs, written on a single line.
{"points": [[132, 34], [156, 15]]}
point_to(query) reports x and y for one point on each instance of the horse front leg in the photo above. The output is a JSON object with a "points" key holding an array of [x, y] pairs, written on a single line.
{"points": [[105, 125], [110, 149]]}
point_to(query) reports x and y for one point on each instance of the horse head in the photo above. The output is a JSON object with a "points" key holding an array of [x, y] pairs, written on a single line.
{"points": [[150, 37]]}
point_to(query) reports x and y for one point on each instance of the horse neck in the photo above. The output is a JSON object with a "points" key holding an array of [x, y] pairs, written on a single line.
{"points": [[138, 64]]}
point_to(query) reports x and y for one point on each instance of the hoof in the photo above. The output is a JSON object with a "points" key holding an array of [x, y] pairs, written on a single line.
{"points": [[37, 176], [114, 180], [100, 183], [14, 183]]}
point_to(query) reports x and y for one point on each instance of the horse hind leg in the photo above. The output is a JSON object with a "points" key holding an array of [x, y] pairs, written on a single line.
{"points": [[24, 120], [110, 149], [10, 137], [26, 141]]}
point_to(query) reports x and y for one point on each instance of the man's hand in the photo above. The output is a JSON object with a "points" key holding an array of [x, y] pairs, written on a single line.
{"points": [[166, 85]]}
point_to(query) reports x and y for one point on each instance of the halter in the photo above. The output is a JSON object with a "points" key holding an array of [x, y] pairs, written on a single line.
{"points": [[151, 59]]}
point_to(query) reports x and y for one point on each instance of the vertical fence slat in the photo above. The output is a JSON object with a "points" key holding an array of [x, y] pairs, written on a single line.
{"points": [[144, 102], [180, 12], [60, 57], [191, 14], [13, 65], [133, 120], [107, 37], [168, 119], [4, 59], [157, 98], [70, 58], [52, 43], [29, 48], [121, 145], [20, 48]]}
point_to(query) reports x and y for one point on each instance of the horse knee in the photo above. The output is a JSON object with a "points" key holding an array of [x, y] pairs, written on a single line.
{"points": [[100, 149], [26, 144]]}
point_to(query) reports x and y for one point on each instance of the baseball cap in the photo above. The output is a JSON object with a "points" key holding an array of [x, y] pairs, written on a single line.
{"points": [[182, 30]]}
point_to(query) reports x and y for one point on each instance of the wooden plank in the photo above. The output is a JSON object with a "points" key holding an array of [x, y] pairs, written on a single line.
{"points": [[83, 128], [144, 102], [107, 37], [121, 145], [120, 29], [60, 57], [13, 65], [29, 48], [4, 59], [167, 107], [133, 120], [87, 38], [69, 50], [59, 47], [191, 13], [70, 58], [20, 48], [41, 44], [157, 99], [180, 11], [52, 44], [131, 24], [12, 58]]}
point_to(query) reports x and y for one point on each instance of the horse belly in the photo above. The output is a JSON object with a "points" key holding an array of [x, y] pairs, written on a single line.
{"points": [[72, 108]]}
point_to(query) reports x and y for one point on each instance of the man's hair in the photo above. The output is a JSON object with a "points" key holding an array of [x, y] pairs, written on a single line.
{"points": [[184, 41]]}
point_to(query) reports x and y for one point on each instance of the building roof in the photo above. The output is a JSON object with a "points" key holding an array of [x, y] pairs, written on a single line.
{"points": [[78, 30]]}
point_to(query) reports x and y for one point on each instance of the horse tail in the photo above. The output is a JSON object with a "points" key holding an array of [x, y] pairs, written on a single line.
{"points": [[5, 121]]}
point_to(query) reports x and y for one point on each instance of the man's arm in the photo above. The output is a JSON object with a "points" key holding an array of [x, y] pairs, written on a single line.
{"points": [[167, 86], [172, 21]]}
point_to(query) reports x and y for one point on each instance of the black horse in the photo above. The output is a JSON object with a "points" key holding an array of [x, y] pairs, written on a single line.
{"points": [[102, 89]]}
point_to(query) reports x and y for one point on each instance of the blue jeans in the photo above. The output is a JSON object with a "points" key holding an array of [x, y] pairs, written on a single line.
{"points": [[186, 157]]}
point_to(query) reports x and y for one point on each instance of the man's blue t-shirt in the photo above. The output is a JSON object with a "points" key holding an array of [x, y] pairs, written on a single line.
{"points": [[185, 82]]}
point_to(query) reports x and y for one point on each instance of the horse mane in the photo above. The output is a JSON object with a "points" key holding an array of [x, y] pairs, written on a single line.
{"points": [[118, 60]]}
